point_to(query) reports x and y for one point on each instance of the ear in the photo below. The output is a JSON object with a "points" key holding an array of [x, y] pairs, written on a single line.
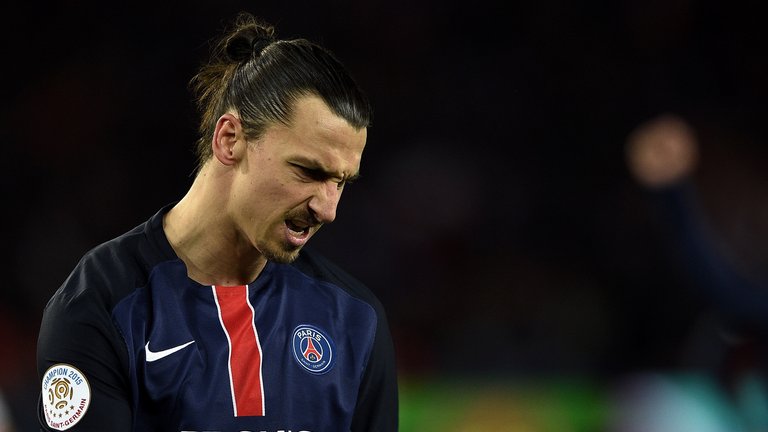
{"points": [[228, 139]]}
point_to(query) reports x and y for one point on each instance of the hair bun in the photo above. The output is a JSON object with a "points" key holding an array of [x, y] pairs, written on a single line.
{"points": [[246, 45], [258, 44]]}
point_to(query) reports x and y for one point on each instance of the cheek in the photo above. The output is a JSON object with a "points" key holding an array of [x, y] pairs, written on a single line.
{"points": [[276, 191], [278, 198]]}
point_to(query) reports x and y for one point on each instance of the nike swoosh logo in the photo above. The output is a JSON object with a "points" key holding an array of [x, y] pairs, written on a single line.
{"points": [[157, 355]]}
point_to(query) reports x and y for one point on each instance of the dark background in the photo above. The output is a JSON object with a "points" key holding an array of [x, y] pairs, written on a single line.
{"points": [[495, 218]]}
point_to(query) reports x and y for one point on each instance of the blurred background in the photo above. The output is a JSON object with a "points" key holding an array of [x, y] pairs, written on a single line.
{"points": [[562, 204]]}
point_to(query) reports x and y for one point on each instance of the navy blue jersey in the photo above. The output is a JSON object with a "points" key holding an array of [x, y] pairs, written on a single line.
{"points": [[130, 343]]}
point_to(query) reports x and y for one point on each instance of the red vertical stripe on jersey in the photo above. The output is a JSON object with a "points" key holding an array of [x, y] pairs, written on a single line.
{"points": [[237, 320]]}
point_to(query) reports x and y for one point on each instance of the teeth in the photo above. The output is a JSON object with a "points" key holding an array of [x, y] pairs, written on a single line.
{"points": [[295, 228]]}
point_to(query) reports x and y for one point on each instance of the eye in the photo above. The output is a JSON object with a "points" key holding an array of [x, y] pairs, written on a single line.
{"points": [[309, 173]]}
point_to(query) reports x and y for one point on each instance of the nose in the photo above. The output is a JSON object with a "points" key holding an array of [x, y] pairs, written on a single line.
{"points": [[324, 202]]}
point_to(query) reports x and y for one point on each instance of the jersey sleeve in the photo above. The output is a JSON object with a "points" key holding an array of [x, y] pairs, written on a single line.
{"points": [[77, 336], [377, 402]]}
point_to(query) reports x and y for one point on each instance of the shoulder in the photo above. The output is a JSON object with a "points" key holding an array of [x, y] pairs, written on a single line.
{"points": [[113, 269], [317, 266], [377, 400]]}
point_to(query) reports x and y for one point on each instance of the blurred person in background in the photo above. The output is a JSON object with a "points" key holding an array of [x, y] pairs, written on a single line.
{"points": [[213, 315], [721, 384]]}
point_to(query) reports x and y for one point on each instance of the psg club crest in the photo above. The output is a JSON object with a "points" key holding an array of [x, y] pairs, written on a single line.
{"points": [[313, 350]]}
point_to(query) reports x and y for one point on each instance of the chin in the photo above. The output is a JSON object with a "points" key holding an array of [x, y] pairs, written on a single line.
{"points": [[282, 256]]}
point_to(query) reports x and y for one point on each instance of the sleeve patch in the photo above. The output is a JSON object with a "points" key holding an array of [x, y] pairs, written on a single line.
{"points": [[66, 396]]}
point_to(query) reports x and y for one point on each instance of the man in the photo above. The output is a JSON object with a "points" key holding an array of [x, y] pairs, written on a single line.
{"points": [[211, 316]]}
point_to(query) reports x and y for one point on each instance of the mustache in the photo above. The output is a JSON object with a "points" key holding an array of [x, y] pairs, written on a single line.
{"points": [[306, 217]]}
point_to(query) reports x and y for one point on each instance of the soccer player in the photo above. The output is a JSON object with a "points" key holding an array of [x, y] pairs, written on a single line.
{"points": [[211, 315]]}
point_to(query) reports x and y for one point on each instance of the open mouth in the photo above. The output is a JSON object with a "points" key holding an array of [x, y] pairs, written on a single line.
{"points": [[297, 228]]}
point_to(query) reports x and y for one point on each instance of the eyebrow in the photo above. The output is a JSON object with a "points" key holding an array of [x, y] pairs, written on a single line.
{"points": [[315, 165]]}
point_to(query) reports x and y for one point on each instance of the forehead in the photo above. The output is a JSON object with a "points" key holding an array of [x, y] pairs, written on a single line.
{"points": [[312, 112], [315, 131]]}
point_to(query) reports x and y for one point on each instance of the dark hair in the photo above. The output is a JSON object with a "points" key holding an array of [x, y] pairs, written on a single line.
{"points": [[262, 77]]}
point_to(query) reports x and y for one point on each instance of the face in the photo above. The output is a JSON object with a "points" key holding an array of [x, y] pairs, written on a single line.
{"points": [[290, 181]]}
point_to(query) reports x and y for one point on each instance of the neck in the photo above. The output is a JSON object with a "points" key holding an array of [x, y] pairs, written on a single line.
{"points": [[204, 237]]}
